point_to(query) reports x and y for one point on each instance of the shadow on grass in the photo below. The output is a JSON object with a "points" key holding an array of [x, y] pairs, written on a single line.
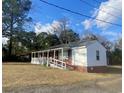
{"points": [[17, 63], [114, 70], [110, 69]]}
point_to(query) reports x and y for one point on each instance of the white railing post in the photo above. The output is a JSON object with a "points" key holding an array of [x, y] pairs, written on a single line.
{"points": [[34, 58], [42, 57], [62, 57], [38, 57], [56, 62], [31, 57], [54, 57], [65, 65], [47, 58]]}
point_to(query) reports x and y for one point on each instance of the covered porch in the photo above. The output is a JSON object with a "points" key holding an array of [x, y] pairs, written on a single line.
{"points": [[57, 57]]}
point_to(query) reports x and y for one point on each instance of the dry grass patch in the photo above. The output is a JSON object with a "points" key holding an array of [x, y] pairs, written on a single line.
{"points": [[15, 75]]}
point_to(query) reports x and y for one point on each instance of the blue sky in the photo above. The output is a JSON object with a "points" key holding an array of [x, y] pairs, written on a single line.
{"points": [[46, 14]]}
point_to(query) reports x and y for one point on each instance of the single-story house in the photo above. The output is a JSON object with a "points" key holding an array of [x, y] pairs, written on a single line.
{"points": [[85, 56]]}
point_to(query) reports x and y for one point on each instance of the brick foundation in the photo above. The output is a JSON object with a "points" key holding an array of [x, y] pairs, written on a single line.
{"points": [[97, 69], [80, 69], [93, 69]]}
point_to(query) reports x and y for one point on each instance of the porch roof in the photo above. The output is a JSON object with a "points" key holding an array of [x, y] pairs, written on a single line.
{"points": [[69, 45], [75, 44]]}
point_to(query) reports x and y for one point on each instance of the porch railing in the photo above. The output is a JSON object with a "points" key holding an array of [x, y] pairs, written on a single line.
{"points": [[50, 62], [57, 63]]}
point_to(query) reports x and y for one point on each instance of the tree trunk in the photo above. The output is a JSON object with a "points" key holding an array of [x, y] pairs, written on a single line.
{"points": [[11, 35]]}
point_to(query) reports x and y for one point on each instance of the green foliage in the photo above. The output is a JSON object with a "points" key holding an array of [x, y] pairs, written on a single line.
{"points": [[44, 41], [115, 57], [14, 15], [68, 36], [22, 44], [52, 40], [40, 41], [26, 38], [4, 50]]}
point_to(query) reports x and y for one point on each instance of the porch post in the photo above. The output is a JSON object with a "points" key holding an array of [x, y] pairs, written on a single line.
{"points": [[34, 57], [42, 57], [38, 57], [62, 59], [54, 54], [62, 53], [31, 57], [47, 58], [54, 57]]}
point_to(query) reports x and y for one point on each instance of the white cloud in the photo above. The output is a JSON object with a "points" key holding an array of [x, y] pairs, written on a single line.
{"points": [[4, 40], [48, 28], [106, 15], [110, 33], [87, 24], [56, 25]]}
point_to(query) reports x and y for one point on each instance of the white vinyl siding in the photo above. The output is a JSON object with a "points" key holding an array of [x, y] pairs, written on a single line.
{"points": [[79, 56], [91, 55]]}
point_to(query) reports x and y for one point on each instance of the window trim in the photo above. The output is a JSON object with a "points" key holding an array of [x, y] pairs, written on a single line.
{"points": [[97, 55]]}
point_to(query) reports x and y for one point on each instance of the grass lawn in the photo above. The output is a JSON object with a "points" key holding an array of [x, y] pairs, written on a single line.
{"points": [[19, 74]]}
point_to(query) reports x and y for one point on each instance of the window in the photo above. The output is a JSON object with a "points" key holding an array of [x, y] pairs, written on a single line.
{"points": [[32, 55], [36, 55], [97, 55], [70, 53]]}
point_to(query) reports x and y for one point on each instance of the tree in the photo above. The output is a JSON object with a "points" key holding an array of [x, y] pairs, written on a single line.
{"points": [[65, 34], [4, 50], [53, 40], [106, 43], [26, 38], [115, 57], [44, 41], [118, 44], [63, 23], [14, 14], [25, 41], [116, 54], [90, 36], [68, 36], [60, 26], [22, 42], [40, 41]]}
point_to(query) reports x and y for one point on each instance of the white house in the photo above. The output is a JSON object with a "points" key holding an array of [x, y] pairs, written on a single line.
{"points": [[85, 56]]}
